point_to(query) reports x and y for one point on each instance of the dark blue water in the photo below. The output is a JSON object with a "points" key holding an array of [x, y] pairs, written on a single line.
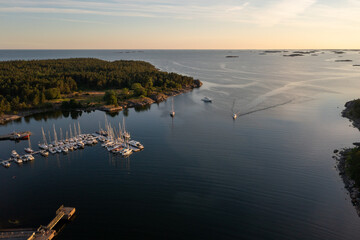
{"points": [[267, 175]]}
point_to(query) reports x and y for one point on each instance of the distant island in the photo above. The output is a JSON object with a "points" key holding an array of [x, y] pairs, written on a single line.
{"points": [[33, 86], [348, 160]]}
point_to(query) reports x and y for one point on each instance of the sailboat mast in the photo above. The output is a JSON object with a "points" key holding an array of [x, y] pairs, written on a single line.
{"points": [[79, 128], [61, 135], [75, 130]]}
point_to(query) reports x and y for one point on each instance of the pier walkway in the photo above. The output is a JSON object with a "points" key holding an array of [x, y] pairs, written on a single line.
{"points": [[43, 232]]}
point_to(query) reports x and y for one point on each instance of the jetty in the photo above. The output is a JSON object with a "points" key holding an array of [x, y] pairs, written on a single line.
{"points": [[16, 136], [43, 232]]}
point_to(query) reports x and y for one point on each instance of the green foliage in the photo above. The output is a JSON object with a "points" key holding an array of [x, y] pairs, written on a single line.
{"points": [[110, 98], [52, 93], [353, 165], [26, 84], [355, 109]]}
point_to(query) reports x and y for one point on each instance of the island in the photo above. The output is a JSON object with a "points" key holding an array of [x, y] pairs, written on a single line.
{"points": [[348, 159], [28, 87]]}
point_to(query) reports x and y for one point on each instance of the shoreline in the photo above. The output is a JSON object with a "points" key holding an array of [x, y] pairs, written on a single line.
{"points": [[341, 163], [130, 103]]}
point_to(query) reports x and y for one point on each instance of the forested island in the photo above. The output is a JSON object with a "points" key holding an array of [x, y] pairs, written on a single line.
{"points": [[85, 83], [348, 160]]}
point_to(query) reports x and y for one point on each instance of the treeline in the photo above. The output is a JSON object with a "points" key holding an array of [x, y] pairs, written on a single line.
{"points": [[25, 84]]}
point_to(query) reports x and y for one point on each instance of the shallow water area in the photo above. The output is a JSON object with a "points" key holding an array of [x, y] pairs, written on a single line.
{"points": [[267, 175]]}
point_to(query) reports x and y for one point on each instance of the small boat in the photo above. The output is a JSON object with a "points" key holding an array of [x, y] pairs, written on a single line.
{"points": [[14, 154], [44, 153], [43, 146], [172, 113], [80, 145], [18, 160], [64, 150], [52, 150], [29, 157], [28, 150], [126, 152], [206, 99], [136, 144], [234, 116], [5, 164]]}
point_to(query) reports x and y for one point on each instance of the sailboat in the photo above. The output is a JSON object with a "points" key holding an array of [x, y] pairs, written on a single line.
{"points": [[44, 145], [172, 113], [126, 134], [28, 149]]}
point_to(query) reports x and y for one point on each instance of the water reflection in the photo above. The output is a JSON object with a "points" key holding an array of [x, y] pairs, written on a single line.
{"points": [[119, 161]]}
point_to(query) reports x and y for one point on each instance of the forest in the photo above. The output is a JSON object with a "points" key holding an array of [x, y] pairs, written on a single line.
{"points": [[30, 84]]}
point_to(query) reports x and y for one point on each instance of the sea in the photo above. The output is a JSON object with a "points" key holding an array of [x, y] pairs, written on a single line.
{"points": [[269, 174]]}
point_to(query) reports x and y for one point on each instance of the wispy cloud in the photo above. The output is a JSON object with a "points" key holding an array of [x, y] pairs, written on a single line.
{"points": [[256, 12], [281, 11]]}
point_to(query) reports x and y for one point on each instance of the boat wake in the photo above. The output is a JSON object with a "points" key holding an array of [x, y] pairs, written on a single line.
{"points": [[265, 108]]}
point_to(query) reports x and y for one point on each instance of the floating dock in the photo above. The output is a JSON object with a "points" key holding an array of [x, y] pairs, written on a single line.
{"points": [[43, 232]]}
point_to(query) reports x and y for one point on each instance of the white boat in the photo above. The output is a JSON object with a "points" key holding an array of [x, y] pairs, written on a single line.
{"points": [[58, 149], [64, 149], [28, 149], [206, 99], [52, 150], [126, 152], [136, 144], [43, 146], [80, 145], [125, 134], [234, 116], [29, 157], [44, 153], [14, 154], [172, 113], [18, 160]]}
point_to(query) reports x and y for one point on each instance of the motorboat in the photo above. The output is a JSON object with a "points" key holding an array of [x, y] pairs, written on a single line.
{"points": [[136, 144], [18, 160], [52, 150], [126, 152], [206, 99], [44, 153], [43, 146], [29, 157], [234, 116], [14, 154]]}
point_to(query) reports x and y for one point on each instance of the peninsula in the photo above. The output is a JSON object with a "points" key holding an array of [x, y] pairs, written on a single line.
{"points": [[348, 160], [28, 87]]}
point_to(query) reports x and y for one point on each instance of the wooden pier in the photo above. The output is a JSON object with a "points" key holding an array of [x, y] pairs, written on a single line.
{"points": [[43, 232]]}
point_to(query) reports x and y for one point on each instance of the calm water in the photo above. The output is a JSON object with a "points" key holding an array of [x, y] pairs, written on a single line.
{"points": [[267, 175]]}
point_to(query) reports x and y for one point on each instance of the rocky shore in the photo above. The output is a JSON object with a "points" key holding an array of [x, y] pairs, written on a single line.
{"points": [[130, 103], [349, 184], [342, 163]]}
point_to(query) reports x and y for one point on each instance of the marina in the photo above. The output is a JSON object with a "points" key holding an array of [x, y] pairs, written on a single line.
{"points": [[116, 141]]}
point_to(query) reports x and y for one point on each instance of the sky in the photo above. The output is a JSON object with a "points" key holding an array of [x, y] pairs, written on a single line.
{"points": [[184, 24]]}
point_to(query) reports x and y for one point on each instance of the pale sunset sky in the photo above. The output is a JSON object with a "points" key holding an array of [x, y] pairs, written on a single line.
{"points": [[172, 24]]}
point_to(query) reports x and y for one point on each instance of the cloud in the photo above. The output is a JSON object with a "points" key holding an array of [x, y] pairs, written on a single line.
{"points": [[281, 11]]}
